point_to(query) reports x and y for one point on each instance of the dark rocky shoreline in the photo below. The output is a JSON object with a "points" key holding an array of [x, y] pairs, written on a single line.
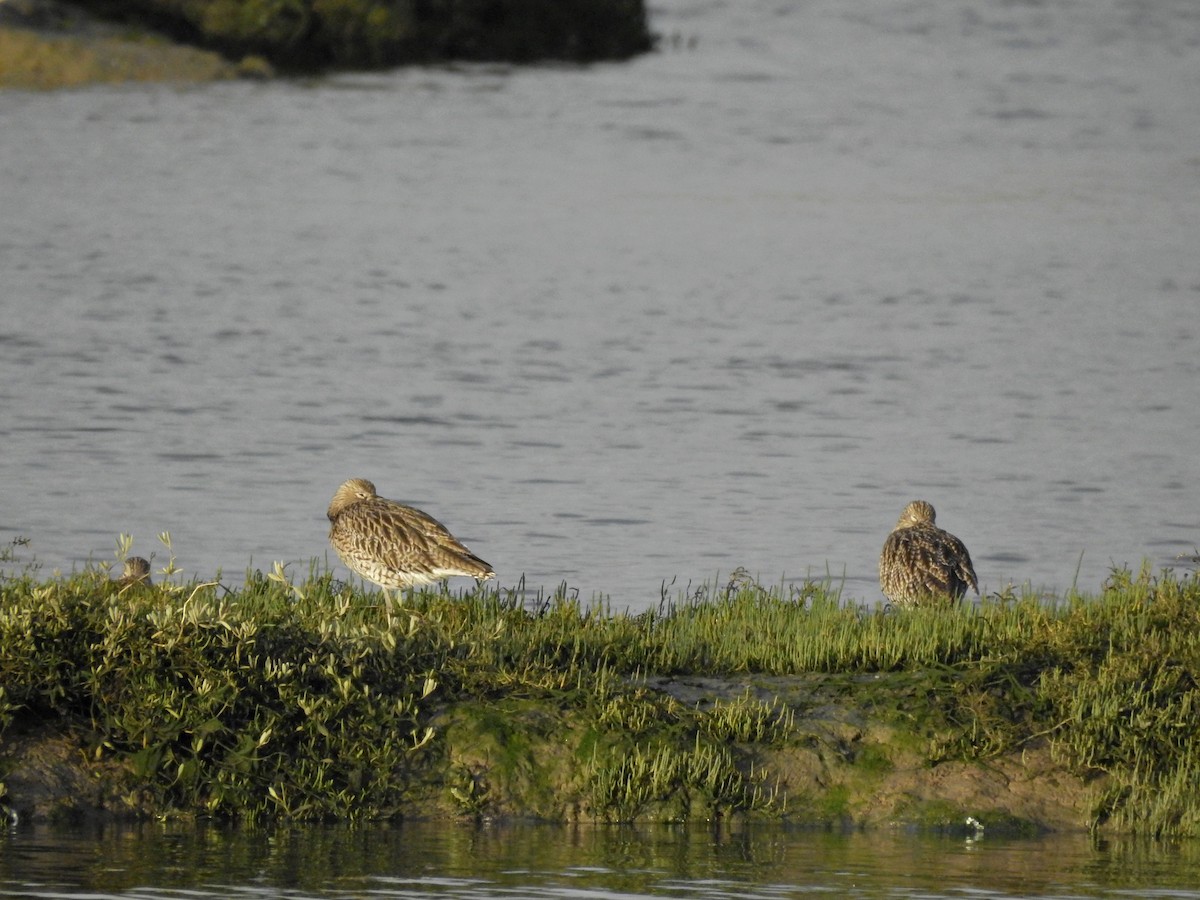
{"points": [[52, 43]]}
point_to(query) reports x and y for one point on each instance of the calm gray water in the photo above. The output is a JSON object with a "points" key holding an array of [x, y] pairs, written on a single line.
{"points": [[731, 304], [587, 863]]}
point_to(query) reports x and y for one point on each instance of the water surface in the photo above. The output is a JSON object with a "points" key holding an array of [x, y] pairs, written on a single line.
{"points": [[605, 863], [730, 304]]}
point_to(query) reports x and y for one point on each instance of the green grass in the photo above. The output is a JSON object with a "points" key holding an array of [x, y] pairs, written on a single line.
{"points": [[304, 699], [29, 60]]}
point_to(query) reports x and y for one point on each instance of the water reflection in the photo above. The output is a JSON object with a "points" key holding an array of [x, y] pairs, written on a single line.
{"points": [[525, 860]]}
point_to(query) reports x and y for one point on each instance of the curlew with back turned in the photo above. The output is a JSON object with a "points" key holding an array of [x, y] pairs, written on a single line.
{"points": [[922, 564]]}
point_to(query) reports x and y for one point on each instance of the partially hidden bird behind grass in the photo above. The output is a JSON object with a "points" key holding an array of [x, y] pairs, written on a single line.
{"points": [[393, 545], [922, 564], [136, 570]]}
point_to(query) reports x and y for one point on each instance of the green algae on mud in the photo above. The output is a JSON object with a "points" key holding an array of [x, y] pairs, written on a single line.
{"points": [[305, 700]]}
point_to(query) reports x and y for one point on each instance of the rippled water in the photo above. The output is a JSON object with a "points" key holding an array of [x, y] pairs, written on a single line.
{"points": [[427, 860], [731, 304]]}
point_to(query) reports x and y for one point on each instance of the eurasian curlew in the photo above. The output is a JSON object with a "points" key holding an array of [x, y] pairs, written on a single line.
{"points": [[394, 545], [921, 563], [135, 571]]}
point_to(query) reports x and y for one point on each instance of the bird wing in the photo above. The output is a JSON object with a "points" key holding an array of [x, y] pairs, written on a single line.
{"points": [[959, 560], [408, 540], [945, 562], [926, 562]]}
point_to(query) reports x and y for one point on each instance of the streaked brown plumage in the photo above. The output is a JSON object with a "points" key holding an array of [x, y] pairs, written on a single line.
{"points": [[135, 571], [923, 564], [394, 545]]}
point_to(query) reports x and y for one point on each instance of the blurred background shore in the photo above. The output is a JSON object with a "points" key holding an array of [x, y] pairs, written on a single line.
{"points": [[52, 44]]}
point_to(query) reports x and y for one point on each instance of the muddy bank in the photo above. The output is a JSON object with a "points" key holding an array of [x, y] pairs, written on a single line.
{"points": [[838, 767], [314, 701], [853, 763]]}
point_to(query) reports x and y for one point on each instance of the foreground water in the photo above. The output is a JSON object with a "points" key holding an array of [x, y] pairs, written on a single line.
{"points": [[731, 304], [605, 863]]}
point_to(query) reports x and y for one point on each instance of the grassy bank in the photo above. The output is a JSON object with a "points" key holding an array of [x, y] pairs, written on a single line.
{"points": [[303, 698], [32, 60]]}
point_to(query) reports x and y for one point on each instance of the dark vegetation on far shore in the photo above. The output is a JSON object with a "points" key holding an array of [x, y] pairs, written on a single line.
{"points": [[311, 36], [301, 699]]}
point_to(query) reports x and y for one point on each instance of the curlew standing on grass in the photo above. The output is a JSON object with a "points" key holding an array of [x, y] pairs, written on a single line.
{"points": [[394, 545], [921, 563]]}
